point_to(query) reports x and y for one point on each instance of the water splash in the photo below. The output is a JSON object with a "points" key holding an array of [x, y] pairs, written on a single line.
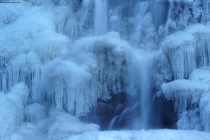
{"points": [[112, 122]]}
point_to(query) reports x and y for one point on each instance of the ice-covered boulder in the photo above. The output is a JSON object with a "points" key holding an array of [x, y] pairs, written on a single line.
{"points": [[187, 49], [27, 131], [191, 99], [180, 50], [19, 96], [184, 92], [93, 68], [48, 44], [190, 89], [8, 114], [34, 112], [11, 108], [21, 90], [65, 125]]}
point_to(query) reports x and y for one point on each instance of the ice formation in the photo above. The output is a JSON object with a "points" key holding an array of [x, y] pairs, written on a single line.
{"points": [[98, 66], [143, 135], [60, 59], [12, 109], [190, 83]]}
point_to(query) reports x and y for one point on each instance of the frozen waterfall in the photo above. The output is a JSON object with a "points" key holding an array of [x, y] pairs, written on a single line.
{"points": [[118, 64]]}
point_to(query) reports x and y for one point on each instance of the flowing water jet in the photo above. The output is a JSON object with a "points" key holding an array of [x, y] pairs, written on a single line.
{"points": [[100, 17], [112, 122]]}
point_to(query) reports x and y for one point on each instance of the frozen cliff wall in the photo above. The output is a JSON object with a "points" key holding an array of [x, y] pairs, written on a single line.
{"points": [[185, 12], [188, 56]]}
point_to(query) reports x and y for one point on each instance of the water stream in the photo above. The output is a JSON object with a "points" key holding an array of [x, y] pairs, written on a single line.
{"points": [[100, 17]]}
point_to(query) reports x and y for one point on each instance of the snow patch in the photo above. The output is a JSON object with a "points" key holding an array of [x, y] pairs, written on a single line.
{"points": [[143, 135]]}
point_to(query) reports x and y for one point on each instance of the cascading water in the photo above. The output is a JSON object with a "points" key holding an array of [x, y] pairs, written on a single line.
{"points": [[160, 10], [109, 67], [100, 17], [142, 8], [139, 84], [145, 92]]}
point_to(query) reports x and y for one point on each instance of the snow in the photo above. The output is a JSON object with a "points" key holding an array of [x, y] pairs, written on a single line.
{"points": [[65, 125], [187, 88], [198, 28], [178, 40], [184, 1], [58, 125], [143, 135]]}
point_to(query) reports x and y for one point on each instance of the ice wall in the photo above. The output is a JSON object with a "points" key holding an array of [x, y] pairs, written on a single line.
{"points": [[184, 13], [190, 71], [29, 40]]}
